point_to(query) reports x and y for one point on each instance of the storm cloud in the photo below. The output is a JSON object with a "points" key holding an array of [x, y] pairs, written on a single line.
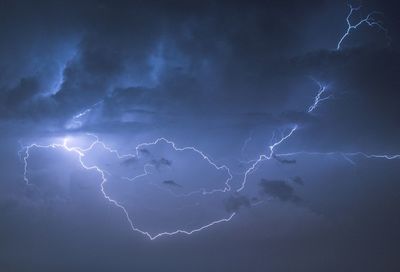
{"points": [[224, 82], [279, 189], [235, 202], [171, 183]]}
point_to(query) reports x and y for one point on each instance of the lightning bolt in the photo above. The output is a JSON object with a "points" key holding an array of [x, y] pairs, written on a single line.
{"points": [[345, 155], [263, 157], [76, 122], [81, 152], [176, 148], [369, 20], [202, 155], [320, 96]]}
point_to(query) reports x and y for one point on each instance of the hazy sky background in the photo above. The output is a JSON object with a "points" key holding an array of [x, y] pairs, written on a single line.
{"points": [[224, 77]]}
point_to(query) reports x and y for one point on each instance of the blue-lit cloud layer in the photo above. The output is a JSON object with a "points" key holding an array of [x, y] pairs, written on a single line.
{"points": [[216, 135]]}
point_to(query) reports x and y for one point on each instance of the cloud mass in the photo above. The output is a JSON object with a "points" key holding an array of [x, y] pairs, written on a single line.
{"points": [[133, 120]]}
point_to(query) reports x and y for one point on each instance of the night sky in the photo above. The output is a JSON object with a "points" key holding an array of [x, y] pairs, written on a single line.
{"points": [[199, 136]]}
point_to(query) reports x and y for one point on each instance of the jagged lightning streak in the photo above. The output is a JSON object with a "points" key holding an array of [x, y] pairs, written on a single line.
{"points": [[345, 155], [203, 156], [264, 157], [319, 97], [81, 152], [76, 119], [368, 20], [176, 148], [145, 173], [373, 156], [317, 100]]}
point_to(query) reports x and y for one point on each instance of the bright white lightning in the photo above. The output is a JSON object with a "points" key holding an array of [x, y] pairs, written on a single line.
{"points": [[368, 20], [76, 122], [319, 97], [373, 156], [264, 157], [345, 155], [203, 156], [254, 163], [225, 168], [81, 152]]}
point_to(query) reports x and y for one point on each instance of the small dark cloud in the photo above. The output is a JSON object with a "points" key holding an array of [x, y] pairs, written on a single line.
{"points": [[161, 162], [171, 183], [283, 160], [235, 202], [279, 189], [144, 151], [298, 180], [129, 161]]}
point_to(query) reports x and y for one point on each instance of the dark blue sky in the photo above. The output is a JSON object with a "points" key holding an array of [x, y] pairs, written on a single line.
{"points": [[217, 83]]}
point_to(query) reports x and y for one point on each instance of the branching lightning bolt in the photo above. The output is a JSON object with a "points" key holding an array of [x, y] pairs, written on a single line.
{"points": [[369, 20], [317, 100], [264, 157], [76, 119], [204, 157], [345, 155], [81, 152], [320, 97]]}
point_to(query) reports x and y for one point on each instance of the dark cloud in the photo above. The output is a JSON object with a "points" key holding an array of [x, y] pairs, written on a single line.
{"points": [[129, 161], [171, 183], [283, 160], [166, 64], [144, 151], [203, 74], [158, 163], [235, 202], [298, 180], [279, 189]]}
